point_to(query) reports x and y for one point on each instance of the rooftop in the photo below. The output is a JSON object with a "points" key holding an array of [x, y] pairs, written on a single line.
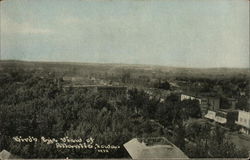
{"points": [[153, 148]]}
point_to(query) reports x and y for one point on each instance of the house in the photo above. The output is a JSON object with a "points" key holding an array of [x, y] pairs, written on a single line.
{"points": [[244, 121], [153, 148], [213, 115], [186, 97]]}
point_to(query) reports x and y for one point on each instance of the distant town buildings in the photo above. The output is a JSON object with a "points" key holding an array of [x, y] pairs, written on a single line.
{"points": [[223, 117], [244, 121], [206, 102], [230, 118]]}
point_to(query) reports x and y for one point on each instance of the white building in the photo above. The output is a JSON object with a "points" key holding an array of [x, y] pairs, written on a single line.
{"points": [[217, 118], [244, 121], [225, 117], [186, 97], [210, 115]]}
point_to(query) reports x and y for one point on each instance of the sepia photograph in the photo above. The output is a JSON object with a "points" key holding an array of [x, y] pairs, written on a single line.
{"points": [[124, 79]]}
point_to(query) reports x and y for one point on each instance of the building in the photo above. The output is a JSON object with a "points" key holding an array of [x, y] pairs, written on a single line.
{"points": [[211, 103], [210, 115], [232, 102], [223, 117], [153, 148], [186, 97], [206, 102], [244, 121]]}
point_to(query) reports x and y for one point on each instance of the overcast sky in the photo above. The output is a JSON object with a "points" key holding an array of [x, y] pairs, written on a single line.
{"points": [[185, 33]]}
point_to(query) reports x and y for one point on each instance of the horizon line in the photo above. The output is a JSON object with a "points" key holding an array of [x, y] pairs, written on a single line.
{"points": [[116, 63]]}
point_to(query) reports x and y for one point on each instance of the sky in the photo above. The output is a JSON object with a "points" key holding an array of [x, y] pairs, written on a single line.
{"points": [[181, 33]]}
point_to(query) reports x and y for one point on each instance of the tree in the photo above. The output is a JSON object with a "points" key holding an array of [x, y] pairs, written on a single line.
{"points": [[224, 103], [192, 108], [125, 77], [242, 103], [162, 85]]}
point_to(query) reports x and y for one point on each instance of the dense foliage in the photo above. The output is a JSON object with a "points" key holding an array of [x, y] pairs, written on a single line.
{"points": [[35, 105]]}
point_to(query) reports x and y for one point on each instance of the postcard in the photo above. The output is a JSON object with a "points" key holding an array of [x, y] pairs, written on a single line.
{"points": [[124, 79]]}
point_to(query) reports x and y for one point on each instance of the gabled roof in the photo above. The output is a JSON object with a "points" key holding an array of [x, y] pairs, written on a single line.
{"points": [[153, 148]]}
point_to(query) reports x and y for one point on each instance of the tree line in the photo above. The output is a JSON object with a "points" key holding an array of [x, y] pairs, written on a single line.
{"points": [[35, 105]]}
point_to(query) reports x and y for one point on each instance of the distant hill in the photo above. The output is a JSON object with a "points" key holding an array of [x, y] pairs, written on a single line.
{"points": [[81, 68]]}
